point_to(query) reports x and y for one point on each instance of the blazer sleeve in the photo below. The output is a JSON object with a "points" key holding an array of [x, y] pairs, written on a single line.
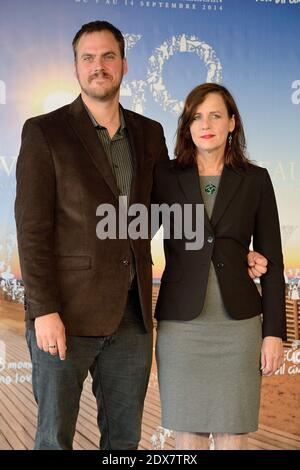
{"points": [[266, 240], [162, 157], [35, 214]]}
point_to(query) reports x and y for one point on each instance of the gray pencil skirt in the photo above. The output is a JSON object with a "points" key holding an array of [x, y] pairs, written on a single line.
{"points": [[209, 374]]}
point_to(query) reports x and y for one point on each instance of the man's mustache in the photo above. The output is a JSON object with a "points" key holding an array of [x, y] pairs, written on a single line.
{"points": [[98, 74]]}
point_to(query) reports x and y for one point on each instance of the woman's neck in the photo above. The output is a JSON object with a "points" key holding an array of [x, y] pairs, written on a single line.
{"points": [[210, 165]]}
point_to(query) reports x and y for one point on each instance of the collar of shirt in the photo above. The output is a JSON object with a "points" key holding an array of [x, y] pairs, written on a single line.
{"points": [[98, 126]]}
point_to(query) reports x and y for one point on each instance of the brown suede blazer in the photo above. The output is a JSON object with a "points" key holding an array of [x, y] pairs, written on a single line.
{"points": [[62, 176], [245, 206]]}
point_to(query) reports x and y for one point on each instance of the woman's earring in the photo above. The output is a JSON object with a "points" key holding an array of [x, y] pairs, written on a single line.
{"points": [[229, 139]]}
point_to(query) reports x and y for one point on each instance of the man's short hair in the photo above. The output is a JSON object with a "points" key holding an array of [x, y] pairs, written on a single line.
{"points": [[96, 26]]}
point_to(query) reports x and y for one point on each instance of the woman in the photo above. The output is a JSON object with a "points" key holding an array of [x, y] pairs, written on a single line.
{"points": [[212, 345]]}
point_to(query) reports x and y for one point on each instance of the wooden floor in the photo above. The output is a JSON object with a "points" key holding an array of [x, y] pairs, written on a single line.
{"points": [[18, 409]]}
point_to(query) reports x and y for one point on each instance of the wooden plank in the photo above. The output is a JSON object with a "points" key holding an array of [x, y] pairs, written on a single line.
{"points": [[5, 436], [82, 427], [268, 442], [9, 432], [4, 444], [12, 414], [83, 442], [289, 444], [272, 430]]}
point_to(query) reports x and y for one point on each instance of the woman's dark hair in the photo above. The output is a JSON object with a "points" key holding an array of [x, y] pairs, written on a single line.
{"points": [[97, 26], [185, 150]]}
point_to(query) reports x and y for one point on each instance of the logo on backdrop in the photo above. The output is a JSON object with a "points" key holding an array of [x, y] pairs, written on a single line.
{"points": [[279, 2], [291, 365], [174, 45], [2, 355], [162, 53], [12, 369], [296, 94], [2, 92]]}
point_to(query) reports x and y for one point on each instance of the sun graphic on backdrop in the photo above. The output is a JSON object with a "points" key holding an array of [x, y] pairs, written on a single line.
{"points": [[53, 94], [56, 99], [45, 87]]}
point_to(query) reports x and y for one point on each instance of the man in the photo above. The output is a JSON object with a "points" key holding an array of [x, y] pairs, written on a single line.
{"points": [[88, 301]]}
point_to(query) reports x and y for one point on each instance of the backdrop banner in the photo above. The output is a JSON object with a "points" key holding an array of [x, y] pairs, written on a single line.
{"points": [[250, 46]]}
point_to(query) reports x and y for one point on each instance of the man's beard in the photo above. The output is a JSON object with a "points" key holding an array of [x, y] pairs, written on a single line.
{"points": [[101, 94]]}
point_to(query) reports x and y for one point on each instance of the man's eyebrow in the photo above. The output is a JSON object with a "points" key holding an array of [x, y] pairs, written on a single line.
{"points": [[90, 54]]}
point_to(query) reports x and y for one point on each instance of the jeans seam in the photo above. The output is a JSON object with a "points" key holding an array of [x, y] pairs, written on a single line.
{"points": [[104, 404]]}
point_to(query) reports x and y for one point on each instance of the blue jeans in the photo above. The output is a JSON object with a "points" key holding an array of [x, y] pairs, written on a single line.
{"points": [[120, 366]]}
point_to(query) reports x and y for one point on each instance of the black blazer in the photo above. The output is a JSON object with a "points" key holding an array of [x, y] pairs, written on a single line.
{"points": [[245, 206], [63, 174]]}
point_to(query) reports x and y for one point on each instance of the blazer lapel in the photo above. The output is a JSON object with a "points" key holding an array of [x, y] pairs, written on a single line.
{"points": [[83, 127], [136, 139], [188, 180], [230, 181]]}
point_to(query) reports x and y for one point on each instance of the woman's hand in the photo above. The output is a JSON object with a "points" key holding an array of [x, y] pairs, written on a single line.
{"points": [[257, 264], [272, 355]]}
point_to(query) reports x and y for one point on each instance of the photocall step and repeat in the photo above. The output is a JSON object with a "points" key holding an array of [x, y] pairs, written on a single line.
{"points": [[251, 47]]}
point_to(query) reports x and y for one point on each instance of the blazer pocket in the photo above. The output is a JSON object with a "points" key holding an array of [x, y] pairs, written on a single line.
{"points": [[73, 262]]}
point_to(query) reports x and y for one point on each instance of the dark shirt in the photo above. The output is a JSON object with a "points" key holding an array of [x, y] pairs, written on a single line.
{"points": [[119, 155]]}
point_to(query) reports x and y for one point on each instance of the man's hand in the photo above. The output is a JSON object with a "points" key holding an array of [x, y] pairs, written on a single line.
{"points": [[50, 334], [257, 264], [272, 355]]}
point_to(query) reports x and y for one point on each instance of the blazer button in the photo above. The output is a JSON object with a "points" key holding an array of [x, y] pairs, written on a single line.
{"points": [[125, 262], [220, 265], [210, 239]]}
